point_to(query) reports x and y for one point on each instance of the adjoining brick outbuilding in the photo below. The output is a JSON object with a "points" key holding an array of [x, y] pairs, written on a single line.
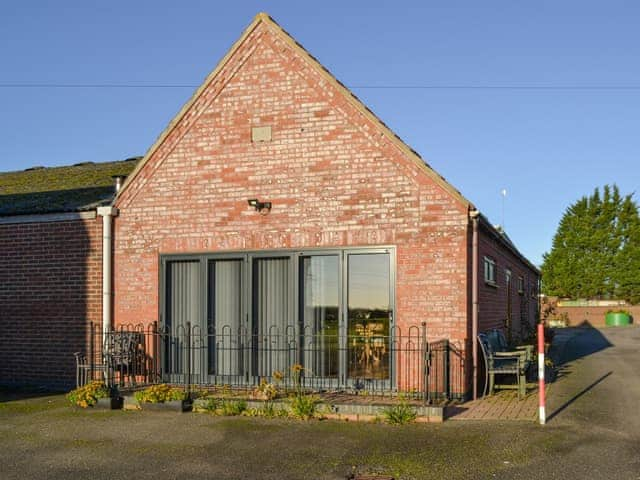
{"points": [[51, 267], [276, 201]]}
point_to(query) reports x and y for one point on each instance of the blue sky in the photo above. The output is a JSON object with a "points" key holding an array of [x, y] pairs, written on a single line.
{"points": [[546, 147]]}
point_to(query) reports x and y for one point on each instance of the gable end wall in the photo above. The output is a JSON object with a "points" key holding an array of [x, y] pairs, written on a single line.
{"points": [[334, 180]]}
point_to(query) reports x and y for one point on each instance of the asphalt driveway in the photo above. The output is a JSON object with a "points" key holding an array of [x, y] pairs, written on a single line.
{"points": [[594, 406], [593, 432]]}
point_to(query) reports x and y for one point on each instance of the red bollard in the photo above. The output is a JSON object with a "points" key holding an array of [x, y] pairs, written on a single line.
{"points": [[541, 403]]}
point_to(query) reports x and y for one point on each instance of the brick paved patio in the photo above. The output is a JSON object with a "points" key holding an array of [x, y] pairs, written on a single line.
{"points": [[503, 405]]}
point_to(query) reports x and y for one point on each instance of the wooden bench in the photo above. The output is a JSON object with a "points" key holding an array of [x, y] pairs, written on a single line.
{"points": [[498, 339], [499, 360]]}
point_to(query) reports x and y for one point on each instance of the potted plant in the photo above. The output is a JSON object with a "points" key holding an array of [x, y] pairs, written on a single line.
{"points": [[95, 394], [164, 397], [616, 318], [112, 402]]}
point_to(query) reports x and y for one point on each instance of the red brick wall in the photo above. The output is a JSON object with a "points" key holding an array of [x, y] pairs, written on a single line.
{"points": [[493, 299], [50, 287], [332, 176]]}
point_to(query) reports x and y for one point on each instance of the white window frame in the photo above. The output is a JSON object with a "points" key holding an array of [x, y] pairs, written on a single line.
{"points": [[490, 271]]}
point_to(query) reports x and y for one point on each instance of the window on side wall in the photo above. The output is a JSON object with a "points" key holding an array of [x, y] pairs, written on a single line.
{"points": [[490, 271], [521, 285]]}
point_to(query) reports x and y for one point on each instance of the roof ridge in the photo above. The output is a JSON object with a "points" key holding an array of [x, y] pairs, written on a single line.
{"points": [[73, 165]]}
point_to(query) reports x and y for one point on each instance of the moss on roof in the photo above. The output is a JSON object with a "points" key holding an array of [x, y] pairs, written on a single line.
{"points": [[74, 188]]}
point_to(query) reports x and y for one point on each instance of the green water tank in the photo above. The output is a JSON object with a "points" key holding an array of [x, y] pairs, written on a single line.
{"points": [[616, 319]]}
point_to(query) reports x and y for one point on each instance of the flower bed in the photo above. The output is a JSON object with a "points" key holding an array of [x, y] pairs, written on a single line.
{"points": [[96, 395], [164, 398]]}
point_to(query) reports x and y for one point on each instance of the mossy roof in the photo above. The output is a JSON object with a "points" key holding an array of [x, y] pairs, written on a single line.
{"points": [[75, 188]]}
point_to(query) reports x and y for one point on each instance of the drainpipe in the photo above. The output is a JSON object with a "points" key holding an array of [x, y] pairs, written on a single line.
{"points": [[474, 214], [107, 213]]}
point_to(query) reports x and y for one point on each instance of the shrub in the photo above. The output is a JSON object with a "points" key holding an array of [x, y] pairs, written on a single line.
{"points": [[198, 393], [88, 394], [219, 406], [212, 405], [399, 414], [266, 390], [160, 394], [233, 408], [252, 412], [303, 406], [268, 410]]}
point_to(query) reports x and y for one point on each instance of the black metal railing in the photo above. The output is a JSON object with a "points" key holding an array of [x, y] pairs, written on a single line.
{"points": [[358, 361]]}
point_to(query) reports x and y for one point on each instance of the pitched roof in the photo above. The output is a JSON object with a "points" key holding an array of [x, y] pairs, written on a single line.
{"points": [[75, 188], [500, 235], [314, 63]]}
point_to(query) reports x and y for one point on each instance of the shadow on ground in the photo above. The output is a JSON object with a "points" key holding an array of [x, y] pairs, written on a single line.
{"points": [[567, 349], [11, 394], [577, 396]]}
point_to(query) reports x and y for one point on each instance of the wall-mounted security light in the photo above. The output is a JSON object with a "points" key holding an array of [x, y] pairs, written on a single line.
{"points": [[262, 207]]}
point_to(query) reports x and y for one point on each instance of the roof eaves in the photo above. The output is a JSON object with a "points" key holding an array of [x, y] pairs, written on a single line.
{"points": [[506, 242]]}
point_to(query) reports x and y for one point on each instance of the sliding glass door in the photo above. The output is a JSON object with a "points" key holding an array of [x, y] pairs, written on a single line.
{"points": [[255, 313], [346, 331]]}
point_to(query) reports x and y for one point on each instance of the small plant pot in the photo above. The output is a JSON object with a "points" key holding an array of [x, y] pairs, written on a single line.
{"points": [[172, 406], [617, 319], [110, 403]]}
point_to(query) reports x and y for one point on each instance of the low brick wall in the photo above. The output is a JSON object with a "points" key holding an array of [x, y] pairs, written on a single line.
{"points": [[354, 412], [594, 316]]}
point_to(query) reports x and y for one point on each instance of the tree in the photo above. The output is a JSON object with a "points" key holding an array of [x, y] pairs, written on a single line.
{"points": [[628, 257], [596, 249]]}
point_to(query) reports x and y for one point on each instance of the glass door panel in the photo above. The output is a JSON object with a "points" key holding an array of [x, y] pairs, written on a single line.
{"points": [[182, 306], [368, 316], [275, 336], [320, 314], [224, 317]]}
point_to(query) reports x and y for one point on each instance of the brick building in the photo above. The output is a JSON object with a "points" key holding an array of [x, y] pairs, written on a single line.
{"points": [[51, 267], [276, 201]]}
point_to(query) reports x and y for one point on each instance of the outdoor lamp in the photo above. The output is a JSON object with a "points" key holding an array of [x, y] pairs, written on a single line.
{"points": [[262, 207]]}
